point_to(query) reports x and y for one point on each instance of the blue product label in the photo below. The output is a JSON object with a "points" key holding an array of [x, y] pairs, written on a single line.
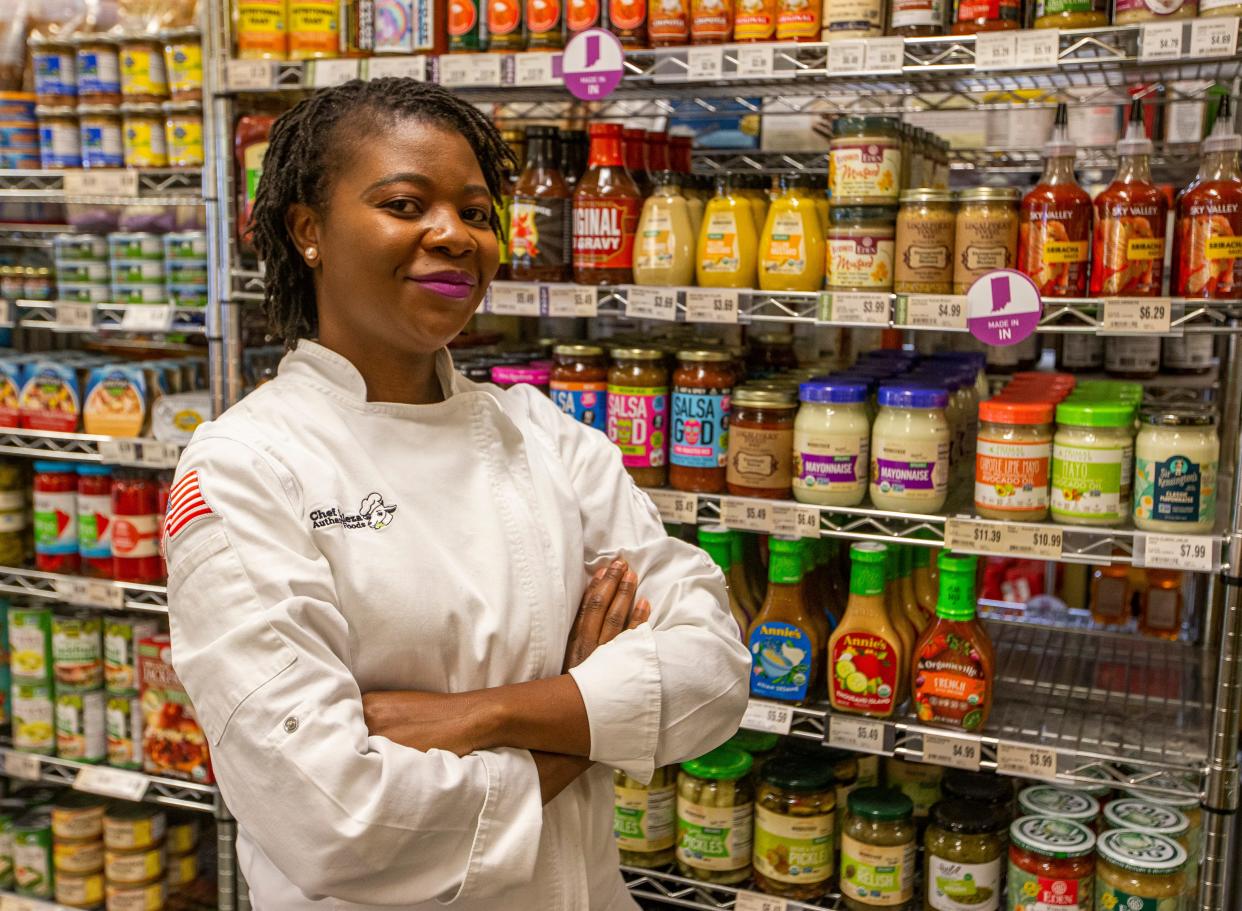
{"points": [[781, 662], [1175, 490], [96, 76], [54, 74], [95, 153], [584, 402], [700, 429]]}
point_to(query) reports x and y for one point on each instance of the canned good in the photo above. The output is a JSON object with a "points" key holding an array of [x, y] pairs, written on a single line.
{"points": [[77, 855], [183, 133], [145, 143], [99, 69], [137, 272], [10, 810], [142, 69], [183, 61], [80, 726], [133, 867], [79, 891], [55, 70], [121, 638], [182, 870], [99, 126], [187, 295], [187, 273], [123, 729], [34, 728], [17, 106], [38, 285], [130, 245], [19, 137], [190, 246], [32, 855], [30, 643], [182, 837], [133, 826], [85, 273], [78, 247], [138, 294], [84, 294], [77, 816], [60, 143], [147, 897], [27, 161], [77, 650]]}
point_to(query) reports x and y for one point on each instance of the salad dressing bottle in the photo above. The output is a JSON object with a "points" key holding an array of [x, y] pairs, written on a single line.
{"points": [[865, 654], [905, 591], [897, 615], [784, 640], [791, 250], [924, 584], [664, 244], [727, 241], [718, 542], [739, 579]]}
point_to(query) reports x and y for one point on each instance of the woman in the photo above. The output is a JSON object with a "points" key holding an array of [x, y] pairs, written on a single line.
{"points": [[404, 604]]}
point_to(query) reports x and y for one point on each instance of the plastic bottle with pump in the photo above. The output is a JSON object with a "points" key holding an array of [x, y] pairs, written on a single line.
{"points": [[1207, 241]]}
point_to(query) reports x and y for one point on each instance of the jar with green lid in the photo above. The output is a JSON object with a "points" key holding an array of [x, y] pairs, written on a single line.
{"points": [[1051, 863], [861, 248], [1139, 871], [965, 847], [795, 818], [1092, 462], [864, 161], [759, 745], [878, 852], [644, 817], [1101, 791], [715, 816], [1063, 803]]}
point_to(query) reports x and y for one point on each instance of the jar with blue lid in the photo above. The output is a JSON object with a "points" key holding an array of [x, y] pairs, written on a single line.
{"points": [[832, 441], [910, 444]]}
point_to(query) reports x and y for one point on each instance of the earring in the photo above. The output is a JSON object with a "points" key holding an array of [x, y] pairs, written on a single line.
{"points": [[311, 252]]}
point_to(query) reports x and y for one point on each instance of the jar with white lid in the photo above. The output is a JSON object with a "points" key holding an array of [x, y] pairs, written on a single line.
{"points": [[1092, 454], [910, 444], [832, 441], [1132, 357], [1176, 456]]}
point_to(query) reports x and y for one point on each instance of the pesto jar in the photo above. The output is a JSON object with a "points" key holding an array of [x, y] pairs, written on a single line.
{"points": [[644, 817], [715, 816], [795, 818], [878, 850], [965, 854], [1139, 870]]}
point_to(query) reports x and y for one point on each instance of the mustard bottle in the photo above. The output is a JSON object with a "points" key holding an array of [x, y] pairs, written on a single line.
{"points": [[664, 242], [791, 250], [727, 241]]}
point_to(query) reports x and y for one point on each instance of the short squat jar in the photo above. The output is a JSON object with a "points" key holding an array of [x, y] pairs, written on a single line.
{"points": [[964, 855], [1175, 460], [910, 444], [878, 853], [715, 816], [832, 443]]}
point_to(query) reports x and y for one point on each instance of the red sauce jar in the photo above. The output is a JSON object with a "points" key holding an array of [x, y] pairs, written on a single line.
{"points": [[699, 445], [56, 517], [1051, 861], [135, 527], [95, 520]]}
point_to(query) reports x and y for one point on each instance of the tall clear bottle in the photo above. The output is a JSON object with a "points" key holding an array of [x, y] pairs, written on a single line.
{"points": [[1207, 241], [866, 656], [784, 639]]}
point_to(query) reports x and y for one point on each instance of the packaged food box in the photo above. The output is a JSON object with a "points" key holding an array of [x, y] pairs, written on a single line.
{"points": [[118, 399], [173, 744], [175, 417], [51, 397]]}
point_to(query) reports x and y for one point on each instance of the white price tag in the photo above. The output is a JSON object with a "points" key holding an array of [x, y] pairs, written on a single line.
{"points": [[756, 61], [118, 452], [111, 782], [155, 454], [326, 73], [753, 901], [455, 69], [769, 717], [863, 734], [534, 68], [1214, 37], [1026, 761], [572, 300], [1185, 552], [75, 317], [1160, 41], [147, 318], [705, 63], [101, 183], [16, 903], [846, 57], [938, 311], [746, 515], [91, 592], [6, 313], [1146, 315], [954, 752], [860, 307], [995, 50], [796, 521], [247, 75], [711, 305], [884, 55], [408, 66], [511, 299], [1004, 539], [676, 507], [23, 765], [1037, 49], [651, 303]]}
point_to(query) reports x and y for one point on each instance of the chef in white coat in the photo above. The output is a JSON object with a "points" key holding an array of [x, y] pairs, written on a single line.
{"points": [[422, 619]]}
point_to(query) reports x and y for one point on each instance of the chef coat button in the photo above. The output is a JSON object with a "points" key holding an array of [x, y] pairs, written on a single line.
{"points": [[291, 725]]}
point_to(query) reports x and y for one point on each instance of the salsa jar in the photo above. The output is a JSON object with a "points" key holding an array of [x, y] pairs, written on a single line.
{"points": [[715, 816], [1013, 457], [506, 376], [579, 383], [861, 246], [795, 819], [761, 434], [135, 527], [878, 853], [1139, 870], [95, 520], [638, 413], [1051, 862], [1063, 803], [699, 445], [56, 517], [926, 223], [864, 161], [645, 817], [964, 856], [986, 236]]}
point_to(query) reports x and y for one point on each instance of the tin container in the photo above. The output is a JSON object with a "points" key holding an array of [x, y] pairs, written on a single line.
{"points": [[133, 826], [79, 248], [120, 652], [32, 854], [78, 816], [80, 726], [144, 897], [131, 245], [79, 890], [134, 867], [30, 644], [123, 730], [77, 856], [77, 651]]}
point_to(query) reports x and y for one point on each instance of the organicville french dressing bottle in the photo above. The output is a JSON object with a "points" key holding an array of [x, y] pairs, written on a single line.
{"points": [[1207, 257], [791, 249], [718, 542], [865, 654], [784, 639], [727, 241]]}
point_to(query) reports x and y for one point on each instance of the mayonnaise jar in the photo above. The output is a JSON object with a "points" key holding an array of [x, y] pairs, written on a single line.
{"points": [[1176, 456], [832, 440], [1092, 454], [910, 444]]}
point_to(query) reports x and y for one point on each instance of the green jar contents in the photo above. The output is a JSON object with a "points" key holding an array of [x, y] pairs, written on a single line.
{"points": [[965, 847], [1139, 871], [1092, 460], [1063, 803], [878, 853], [1188, 806], [795, 818], [715, 816], [1051, 864], [644, 817], [32, 854]]}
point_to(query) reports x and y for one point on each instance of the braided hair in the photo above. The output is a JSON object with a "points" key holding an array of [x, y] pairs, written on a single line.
{"points": [[309, 144]]}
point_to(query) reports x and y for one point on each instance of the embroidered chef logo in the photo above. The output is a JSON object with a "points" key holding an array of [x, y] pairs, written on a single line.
{"points": [[374, 513]]}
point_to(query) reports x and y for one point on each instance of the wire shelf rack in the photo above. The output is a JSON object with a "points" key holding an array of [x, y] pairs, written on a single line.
{"points": [[104, 594], [171, 792]]}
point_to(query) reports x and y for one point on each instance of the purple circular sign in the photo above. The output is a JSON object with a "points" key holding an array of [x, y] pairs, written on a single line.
{"points": [[1003, 307], [593, 64]]}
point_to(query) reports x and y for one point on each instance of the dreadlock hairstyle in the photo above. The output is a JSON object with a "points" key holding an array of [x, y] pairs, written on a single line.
{"points": [[307, 147]]}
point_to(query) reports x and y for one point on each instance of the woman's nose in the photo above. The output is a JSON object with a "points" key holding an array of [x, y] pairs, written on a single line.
{"points": [[447, 233]]}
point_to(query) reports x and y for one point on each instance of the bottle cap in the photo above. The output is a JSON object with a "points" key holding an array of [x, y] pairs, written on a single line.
{"points": [[957, 586], [1059, 144], [1135, 141], [868, 564], [1223, 138]]}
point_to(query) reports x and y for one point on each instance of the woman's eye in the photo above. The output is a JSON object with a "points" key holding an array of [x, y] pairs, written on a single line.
{"points": [[477, 215], [402, 206]]}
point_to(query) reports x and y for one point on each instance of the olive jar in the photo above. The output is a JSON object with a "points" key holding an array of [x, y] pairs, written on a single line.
{"points": [[795, 814], [965, 854], [715, 816]]}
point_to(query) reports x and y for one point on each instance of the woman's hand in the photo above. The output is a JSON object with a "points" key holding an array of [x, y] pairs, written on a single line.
{"points": [[607, 609]]}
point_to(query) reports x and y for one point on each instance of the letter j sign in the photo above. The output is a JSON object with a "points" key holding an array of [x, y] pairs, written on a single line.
{"points": [[1003, 307]]}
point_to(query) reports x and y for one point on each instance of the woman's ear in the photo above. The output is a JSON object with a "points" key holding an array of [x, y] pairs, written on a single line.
{"points": [[302, 223]]}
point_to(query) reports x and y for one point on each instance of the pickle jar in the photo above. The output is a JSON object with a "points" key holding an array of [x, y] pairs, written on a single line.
{"points": [[644, 817], [715, 816], [702, 384], [795, 818], [878, 853], [1139, 870], [965, 853], [759, 745], [761, 435], [638, 404]]}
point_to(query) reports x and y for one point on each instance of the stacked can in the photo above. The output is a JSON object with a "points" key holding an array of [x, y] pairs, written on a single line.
{"points": [[82, 273], [124, 716], [30, 656], [182, 847], [138, 274], [135, 856], [33, 871], [185, 263], [6, 676], [19, 131], [78, 849], [78, 669], [11, 810]]}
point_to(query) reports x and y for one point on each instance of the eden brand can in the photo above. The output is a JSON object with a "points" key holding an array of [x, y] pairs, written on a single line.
{"points": [[32, 854], [80, 726], [30, 644], [33, 718], [123, 726], [77, 651], [120, 652]]}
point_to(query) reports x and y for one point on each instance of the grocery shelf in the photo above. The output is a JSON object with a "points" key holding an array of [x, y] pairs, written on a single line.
{"points": [[88, 447], [11, 902], [69, 316], [119, 187], [82, 591], [22, 234], [670, 888]]}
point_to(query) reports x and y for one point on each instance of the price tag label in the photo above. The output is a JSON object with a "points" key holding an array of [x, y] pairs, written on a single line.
{"points": [[1004, 539], [486, 70], [769, 717], [746, 515], [1160, 41], [756, 61], [1146, 315], [704, 63], [1214, 37], [111, 782], [1026, 761], [938, 311], [6, 312], [753, 901], [23, 765], [651, 303], [534, 69], [711, 305], [75, 317], [159, 455], [101, 183], [954, 752], [572, 300], [408, 66], [470, 70], [676, 507], [118, 452], [325, 73], [995, 50], [248, 75], [1185, 552], [846, 57], [148, 318], [91, 592], [863, 734], [860, 307], [1037, 49], [510, 299], [884, 55], [798, 521]]}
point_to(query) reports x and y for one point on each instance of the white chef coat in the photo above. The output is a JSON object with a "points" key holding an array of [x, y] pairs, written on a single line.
{"points": [[354, 546]]}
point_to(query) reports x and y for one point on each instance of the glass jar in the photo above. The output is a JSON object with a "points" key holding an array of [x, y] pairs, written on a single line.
{"points": [[978, 788], [910, 443], [919, 781], [55, 517], [183, 63], [143, 79], [861, 247], [183, 133], [645, 817], [832, 443], [54, 64], [638, 413], [579, 383], [769, 353], [926, 223], [1176, 456], [1012, 459], [1128, 12], [99, 69], [95, 520], [1188, 355], [1132, 357], [759, 745], [1189, 806], [135, 527], [509, 375], [715, 816], [795, 813], [699, 445], [864, 161], [99, 127], [1092, 456], [964, 856], [1145, 816], [1081, 351], [38, 284], [985, 234], [1051, 861], [971, 16], [145, 140], [1139, 870], [760, 452], [1076, 13], [1063, 803], [60, 142], [1161, 604], [878, 850]]}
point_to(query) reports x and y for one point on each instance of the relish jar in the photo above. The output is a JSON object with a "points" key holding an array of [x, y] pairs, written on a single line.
{"points": [[699, 445], [761, 431], [1051, 861], [1139, 870], [715, 816], [638, 413], [864, 161], [877, 850], [645, 817], [965, 847], [579, 383], [795, 813], [861, 247], [56, 517]]}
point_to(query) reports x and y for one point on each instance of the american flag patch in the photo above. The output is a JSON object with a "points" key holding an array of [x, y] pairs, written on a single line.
{"points": [[185, 505]]}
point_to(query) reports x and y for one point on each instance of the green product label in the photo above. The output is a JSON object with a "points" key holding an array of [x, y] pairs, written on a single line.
{"points": [[794, 849], [872, 875], [954, 886], [1055, 7], [1108, 898], [1048, 893], [714, 838], [643, 818], [1087, 482]]}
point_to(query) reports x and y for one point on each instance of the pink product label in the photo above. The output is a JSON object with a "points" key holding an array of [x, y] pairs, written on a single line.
{"points": [[829, 469], [1003, 307], [905, 475], [638, 425]]}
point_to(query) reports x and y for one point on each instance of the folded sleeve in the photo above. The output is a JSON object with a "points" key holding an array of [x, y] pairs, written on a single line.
{"points": [[263, 651]]}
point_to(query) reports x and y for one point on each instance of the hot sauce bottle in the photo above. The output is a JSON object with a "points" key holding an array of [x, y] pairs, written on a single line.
{"points": [[516, 141], [544, 26], [467, 28], [540, 212], [1130, 216], [668, 22], [711, 21], [505, 25], [628, 21], [1207, 258], [606, 209], [1054, 229]]}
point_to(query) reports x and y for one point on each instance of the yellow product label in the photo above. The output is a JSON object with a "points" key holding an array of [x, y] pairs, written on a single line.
{"points": [[1224, 247], [645, 819], [185, 142], [1145, 248], [721, 252], [142, 71], [655, 248], [146, 146], [314, 29], [185, 67], [785, 251], [261, 28], [1066, 251], [863, 168], [794, 849]]}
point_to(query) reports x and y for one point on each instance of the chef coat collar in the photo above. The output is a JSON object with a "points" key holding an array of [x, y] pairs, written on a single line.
{"points": [[324, 367]]}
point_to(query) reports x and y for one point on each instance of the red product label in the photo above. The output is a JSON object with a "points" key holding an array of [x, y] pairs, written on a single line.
{"points": [[1061, 893], [1054, 244], [950, 683], [627, 15], [463, 15], [990, 10], [543, 16], [581, 15], [1128, 247], [864, 673], [604, 232], [1209, 243], [503, 16]]}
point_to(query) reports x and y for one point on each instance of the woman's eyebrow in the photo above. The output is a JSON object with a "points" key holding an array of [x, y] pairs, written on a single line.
{"points": [[423, 181]]}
